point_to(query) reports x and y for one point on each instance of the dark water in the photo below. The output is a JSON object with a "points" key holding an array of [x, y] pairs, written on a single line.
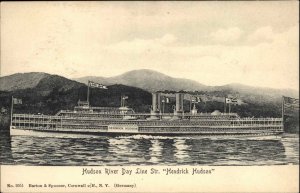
{"points": [[147, 150]]}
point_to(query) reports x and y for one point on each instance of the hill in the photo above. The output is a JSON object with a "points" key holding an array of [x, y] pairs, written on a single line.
{"points": [[257, 94], [154, 81], [21, 80], [148, 80], [41, 82]]}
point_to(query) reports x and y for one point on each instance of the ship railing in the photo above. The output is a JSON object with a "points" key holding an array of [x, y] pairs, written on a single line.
{"points": [[160, 114], [137, 114], [142, 114], [247, 119], [56, 120]]}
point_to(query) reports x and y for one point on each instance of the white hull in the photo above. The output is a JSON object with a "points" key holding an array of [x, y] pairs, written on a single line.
{"points": [[36, 133]]}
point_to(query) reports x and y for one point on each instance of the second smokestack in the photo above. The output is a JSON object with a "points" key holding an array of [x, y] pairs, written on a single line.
{"points": [[179, 102]]}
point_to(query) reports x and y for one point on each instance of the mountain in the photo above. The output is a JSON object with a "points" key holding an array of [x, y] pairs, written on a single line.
{"points": [[144, 79], [148, 80], [154, 81], [256, 94], [41, 82], [257, 90], [21, 80]]}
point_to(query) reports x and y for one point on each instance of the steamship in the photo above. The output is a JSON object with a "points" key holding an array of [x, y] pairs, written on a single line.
{"points": [[85, 119]]}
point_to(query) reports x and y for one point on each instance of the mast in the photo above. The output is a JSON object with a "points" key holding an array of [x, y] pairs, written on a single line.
{"points": [[225, 105], [88, 93], [163, 103], [11, 110], [282, 109], [190, 103], [121, 101]]}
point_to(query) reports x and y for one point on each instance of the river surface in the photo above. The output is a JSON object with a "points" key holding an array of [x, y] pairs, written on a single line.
{"points": [[148, 150]]}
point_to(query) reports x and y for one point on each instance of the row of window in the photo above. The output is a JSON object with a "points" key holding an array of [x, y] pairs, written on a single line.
{"points": [[149, 129]]}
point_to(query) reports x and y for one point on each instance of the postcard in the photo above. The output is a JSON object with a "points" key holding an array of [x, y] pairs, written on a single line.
{"points": [[166, 96]]}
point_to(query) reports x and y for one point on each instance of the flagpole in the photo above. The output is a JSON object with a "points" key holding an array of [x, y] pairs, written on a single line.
{"points": [[11, 110], [163, 106], [88, 93], [190, 103], [225, 105], [282, 111], [121, 101]]}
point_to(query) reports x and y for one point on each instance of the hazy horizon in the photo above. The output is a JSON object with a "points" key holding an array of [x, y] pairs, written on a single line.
{"points": [[213, 43]]}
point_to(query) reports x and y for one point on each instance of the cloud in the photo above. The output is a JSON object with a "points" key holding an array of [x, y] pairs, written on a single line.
{"points": [[227, 35], [139, 45], [167, 39], [262, 34], [272, 64]]}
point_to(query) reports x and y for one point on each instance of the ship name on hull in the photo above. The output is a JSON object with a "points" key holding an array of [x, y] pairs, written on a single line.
{"points": [[123, 128]]}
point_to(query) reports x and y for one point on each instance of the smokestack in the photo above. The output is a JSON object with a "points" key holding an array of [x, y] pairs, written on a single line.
{"points": [[179, 102], [156, 102], [155, 106]]}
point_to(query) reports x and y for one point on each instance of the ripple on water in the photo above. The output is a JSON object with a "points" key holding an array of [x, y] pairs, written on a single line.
{"points": [[148, 150]]}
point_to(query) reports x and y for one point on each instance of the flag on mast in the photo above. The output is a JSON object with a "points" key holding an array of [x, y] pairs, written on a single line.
{"points": [[234, 101], [96, 85], [228, 100], [231, 101]]}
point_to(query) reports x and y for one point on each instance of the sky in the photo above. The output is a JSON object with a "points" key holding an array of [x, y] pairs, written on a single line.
{"points": [[214, 43]]}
